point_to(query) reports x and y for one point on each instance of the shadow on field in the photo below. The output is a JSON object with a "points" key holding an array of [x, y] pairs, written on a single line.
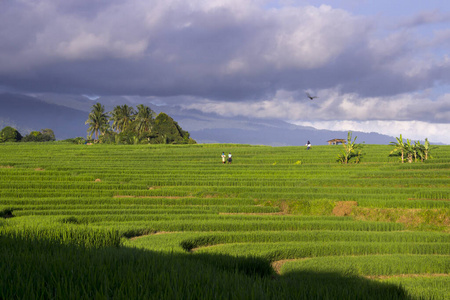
{"points": [[46, 269]]}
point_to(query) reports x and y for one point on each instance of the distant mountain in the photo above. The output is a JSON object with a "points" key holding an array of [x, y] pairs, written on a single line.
{"points": [[209, 128], [27, 114], [280, 137], [66, 116]]}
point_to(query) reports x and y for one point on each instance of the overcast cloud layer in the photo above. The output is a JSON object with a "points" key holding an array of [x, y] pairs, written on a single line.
{"points": [[373, 67]]}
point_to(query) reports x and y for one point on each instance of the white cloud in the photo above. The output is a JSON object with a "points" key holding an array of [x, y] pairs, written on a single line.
{"points": [[334, 105], [413, 130], [85, 45], [413, 115], [307, 37]]}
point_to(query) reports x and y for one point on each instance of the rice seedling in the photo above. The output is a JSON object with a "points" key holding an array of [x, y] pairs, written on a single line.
{"points": [[220, 224]]}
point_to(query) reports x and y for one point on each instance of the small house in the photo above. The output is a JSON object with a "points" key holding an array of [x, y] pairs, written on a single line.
{"points": [[336, 141]]}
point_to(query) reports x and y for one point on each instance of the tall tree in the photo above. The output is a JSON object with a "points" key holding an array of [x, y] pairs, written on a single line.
{"points": [[122, 117], [9, 134], [144, 119], [97, 121], [169, 132], [48, 134]]}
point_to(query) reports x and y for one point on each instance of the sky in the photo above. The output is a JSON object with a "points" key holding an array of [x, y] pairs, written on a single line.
{"points": [[376, 66]]}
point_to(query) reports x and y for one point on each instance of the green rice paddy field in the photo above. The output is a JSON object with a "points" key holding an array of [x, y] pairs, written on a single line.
{"points": [[173, 222]]}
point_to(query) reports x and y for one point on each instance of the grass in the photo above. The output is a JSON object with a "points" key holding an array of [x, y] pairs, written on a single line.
{"points": [[168, 221]]}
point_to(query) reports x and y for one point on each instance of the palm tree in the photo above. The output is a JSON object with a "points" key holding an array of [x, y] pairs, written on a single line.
{"points": [[399, 146], [97, 120], [115, 117], [122, 117], [144, 119]]}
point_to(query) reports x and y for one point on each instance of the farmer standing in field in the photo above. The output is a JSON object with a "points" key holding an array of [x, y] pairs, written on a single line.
{"points": [[223, 157], [308, 145], [229, 158]]}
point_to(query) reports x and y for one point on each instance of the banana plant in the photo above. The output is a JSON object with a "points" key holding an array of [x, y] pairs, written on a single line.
{"points": [[351, 149], [400, 146]]}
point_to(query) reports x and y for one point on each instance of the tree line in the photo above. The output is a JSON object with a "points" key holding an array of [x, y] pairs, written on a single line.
{"points": [[10, 134], [123, 125], [126, 125]]}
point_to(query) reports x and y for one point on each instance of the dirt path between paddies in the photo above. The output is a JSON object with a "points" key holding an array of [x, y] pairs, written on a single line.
{"points": [[256, 214]]}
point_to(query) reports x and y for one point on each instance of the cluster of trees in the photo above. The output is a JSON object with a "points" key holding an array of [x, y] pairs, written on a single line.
{"points": [[411, 152], [10, 134], [125, 125], [407, 151]]}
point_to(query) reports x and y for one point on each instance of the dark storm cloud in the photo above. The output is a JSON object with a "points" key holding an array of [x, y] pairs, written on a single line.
{"points": [[227, 51], [126, 49], [217, 50]]}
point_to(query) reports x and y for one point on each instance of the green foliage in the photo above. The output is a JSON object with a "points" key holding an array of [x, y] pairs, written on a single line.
{"points": [[127, 137], [68, 235], [109, 137], [411, 152], [32, 268], [9, 134], [351, 150], [45, 135], [48, 134], [122, 117], [133, 127], [97, 121], [6, 212], [110, 217], [422, 287], [189, 241], [77, 140], [400, 147], [144, 118], [373, 265], [70, 220], [167, 131], [292, 250]]}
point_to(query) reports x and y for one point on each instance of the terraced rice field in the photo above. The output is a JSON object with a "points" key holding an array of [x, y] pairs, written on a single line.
{"points": [[173, 222]]}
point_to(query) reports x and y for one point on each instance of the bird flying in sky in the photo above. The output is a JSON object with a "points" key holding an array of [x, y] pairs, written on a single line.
{"points": [[311, 97]]}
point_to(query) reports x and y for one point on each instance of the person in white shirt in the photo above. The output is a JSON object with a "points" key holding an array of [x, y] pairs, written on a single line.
{"points": [[223, 157]]}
